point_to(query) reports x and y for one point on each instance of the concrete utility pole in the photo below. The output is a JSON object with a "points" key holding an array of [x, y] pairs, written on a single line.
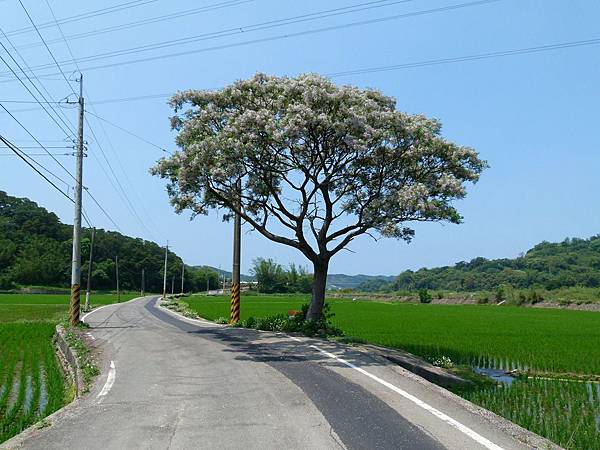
{"points": [[118, 291], [173, 285], [89, 274], [235, 273], [207, 283], [142, 288], [182, 274], [165, 275], [75, 304]]}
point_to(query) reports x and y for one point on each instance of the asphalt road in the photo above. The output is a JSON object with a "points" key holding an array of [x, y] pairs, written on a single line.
{"points": [[169, 382]]}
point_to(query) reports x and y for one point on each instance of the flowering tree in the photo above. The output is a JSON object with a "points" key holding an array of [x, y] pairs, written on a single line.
{"points": [[313, 165]]}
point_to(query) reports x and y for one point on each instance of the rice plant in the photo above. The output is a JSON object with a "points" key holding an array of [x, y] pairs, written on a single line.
{"points": [[29, 372]]}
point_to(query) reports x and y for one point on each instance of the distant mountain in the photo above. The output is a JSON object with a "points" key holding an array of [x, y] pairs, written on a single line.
{"points": [[342, 281], [572, 262], [334, 280], [227, 274]]}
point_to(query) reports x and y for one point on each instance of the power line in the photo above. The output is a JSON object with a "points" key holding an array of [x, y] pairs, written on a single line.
{"points": [[47, 48], [129, 132], [102, 209], [70, 132], [259, 40], [156, 19], [38, 142], [16, 151], [88, 15], [39, 154], [128, 201], [431, 62]]}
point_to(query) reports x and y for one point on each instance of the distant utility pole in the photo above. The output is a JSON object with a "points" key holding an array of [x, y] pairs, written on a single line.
{"points": [[76, 260], [142, 288], [235, 273], [173, 285], [207, 284], [89, 274], [165, 275], [118, 291], [182, 274]]}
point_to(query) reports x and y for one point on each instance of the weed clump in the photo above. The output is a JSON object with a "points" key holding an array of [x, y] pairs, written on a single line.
{"points": [[296, 323]]}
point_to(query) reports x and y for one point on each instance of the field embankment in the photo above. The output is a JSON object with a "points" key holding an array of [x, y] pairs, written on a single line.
{"points": [[559, 349]]}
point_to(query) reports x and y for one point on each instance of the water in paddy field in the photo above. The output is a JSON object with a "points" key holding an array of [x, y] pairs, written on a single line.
{"points": [[565, 411], [500, 376]]}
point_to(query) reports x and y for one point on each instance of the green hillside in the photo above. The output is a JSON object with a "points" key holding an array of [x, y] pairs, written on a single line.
{"points": [[35, 250], [573, 262]]}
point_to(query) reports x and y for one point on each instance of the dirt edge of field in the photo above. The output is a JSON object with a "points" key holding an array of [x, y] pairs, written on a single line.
{"points": [[387, 298]]}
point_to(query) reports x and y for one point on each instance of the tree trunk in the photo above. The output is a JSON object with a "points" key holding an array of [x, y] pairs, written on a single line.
{"points": [[315, 310]]}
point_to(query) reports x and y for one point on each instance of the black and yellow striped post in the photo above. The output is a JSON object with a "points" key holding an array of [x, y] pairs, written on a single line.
{"points": [[235, 273], [75, 304], [235, 302]]}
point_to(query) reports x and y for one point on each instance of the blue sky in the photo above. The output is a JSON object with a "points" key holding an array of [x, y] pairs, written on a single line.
{"points": [[533, 117]]}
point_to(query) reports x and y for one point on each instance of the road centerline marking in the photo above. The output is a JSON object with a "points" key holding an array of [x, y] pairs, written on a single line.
{"points": [[427, 407], [110, 380]]}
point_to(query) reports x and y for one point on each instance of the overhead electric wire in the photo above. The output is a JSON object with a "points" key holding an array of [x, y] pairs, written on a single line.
{"points": [[70, 133], [46, 45], [129, 132], [473, 57], [102, 209], [128, 201], [38, 142], [87, 15], [138, 23], [17, 152], [39, 154], [259, 40]]}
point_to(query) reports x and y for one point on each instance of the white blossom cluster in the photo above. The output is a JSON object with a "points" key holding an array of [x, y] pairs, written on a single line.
{"points": [[307, 152]]}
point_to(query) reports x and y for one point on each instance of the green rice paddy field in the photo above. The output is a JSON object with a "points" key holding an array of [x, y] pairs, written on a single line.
{"points": [[544, 342], [32, 384]]}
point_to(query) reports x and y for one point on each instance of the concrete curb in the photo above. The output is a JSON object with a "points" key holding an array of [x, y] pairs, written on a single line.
{"points": [[416, 365], [69, 357]]}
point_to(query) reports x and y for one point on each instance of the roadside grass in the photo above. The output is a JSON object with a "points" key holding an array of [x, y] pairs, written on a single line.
{"points": [[536, 342], [32, 384]]}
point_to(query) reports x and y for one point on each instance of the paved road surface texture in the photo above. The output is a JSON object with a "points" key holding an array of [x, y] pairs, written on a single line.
{"points": [[174, 383]]}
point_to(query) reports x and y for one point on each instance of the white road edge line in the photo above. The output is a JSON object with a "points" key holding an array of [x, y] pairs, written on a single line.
{"points": [[106, 306], [110, 380], [440, 415], [96, 309]]}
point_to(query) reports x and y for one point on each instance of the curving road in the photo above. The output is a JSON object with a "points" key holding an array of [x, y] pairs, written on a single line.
{"points": [[174, 383]]}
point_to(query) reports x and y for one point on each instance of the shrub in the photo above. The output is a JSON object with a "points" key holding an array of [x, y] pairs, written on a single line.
{"points": [[298, 323], [483, 300], [222, 320], [424, 296], [500, 294]]}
